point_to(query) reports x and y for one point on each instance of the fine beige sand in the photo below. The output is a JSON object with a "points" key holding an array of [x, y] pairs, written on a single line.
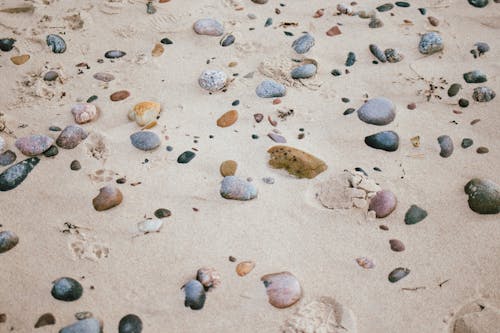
{"points": [[285, 228]]}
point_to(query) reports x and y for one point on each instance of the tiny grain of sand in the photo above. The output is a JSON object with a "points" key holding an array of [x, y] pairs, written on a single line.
{"points": [[452, 255]]}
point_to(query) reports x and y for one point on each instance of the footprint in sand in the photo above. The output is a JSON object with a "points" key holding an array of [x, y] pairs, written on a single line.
{"points": [[83, 248], [103, 176], [96, 146], [324, 315], [476, 317]]}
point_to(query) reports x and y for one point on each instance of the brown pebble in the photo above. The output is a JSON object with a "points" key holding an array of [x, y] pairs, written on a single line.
{"points": [[20, 59], [157, 50], [319, 13], [383, 227], [334, 31], [45, 320], [228, 168], [119, 95], [245, 267], [433, 21], [108, 197], [232, 259], [3, 317], [271, 121], [457, 112], [475, 121], [258, 117], [228, 118], [121, 180], [396, 245], [482, 150], [411, 106], [276, 101], [232, 64]]}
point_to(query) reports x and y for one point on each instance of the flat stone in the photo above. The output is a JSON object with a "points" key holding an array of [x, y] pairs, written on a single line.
{"points": [[479, 3], [11, 177], [396, 245], [415, 214], [276, 137], [383, 203], [89, 325], [296, 162], [386, 140], [45, 320], [71, 137], [397, 274], [475, 76], [7, 157], [209, 27], [484, 196], [50, 76], [304, 71], [105, 77], [51, 152], [119, 95], [145, 140], [67, 289], [377, 111], [108, 197], [235, 188], [270, 89], [8, 240], [430, 42], [228, 168], [303, 44], [454, 89], [34, 144], [446, 144], [186, 157]]}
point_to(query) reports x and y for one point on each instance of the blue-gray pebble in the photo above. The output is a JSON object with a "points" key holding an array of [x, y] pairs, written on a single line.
{"points": [[145, 140], [89, 325], [270, 89], [11, 177], [386, 140], [194, 295], [304, 71], [67, 289], [430, 42], [234, 188], [303, 44], [377, 111]]}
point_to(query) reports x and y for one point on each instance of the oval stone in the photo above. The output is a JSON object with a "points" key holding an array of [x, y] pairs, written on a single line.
{"points": [[228, 168], [397, 274], [383, 203], [114, 54], [67, 289], [71, 137], [194, 295], [484, 196], [119, 95], [227, 119], [8, 240], [454, 89], [303, 44], [186, 157], [475, 76], [108, 197], [7, 157], [377, 111], [234, 188], [396, 245], [304, 71], [34, 144], [89, 325], [11, 177], [483, 94], [130, 324], [446, 144], [145, 140], [212, 80], [283, 289], [7, 44], [209, 27], [479, 3], [430, 42], [386, 140], [270, 89], [104, 77]]}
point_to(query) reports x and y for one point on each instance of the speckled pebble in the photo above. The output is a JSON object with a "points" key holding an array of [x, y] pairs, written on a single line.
{"points": [[71, 137], [14, 175], [208, 27], [67, 289], [212, 80], [7, 157], [235, 188], [430, 42], [34, 144], [483, 94], [270, 89]]}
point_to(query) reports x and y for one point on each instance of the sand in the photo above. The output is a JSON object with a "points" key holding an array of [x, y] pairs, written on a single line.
{"points": [[285, 228]]}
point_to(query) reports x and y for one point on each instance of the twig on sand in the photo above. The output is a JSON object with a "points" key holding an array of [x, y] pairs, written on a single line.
{"points": [[413, 289], [442, 283]]}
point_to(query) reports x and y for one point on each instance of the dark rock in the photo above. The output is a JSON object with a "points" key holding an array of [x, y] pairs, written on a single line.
{"points": [[415, 214], [422, 11], [403, 4], [483, 94], [51, 152], [430, 42], [7, 44], [446, 145], [475, 76], [56, 43], [482, 47], [8, 240], [303, 44], [378, 53], [227, 40], [54, 128], [484, 196], [145, 140], [186, 157], [454, 89], [398, 273], [162, 213], [482, 150], [466, 143], [7, 157], [385, 7], [386, 140], [45, 320], [462, 102], [130, 324], [114, 54], [479, 3], [268, 22], [11, 177], [75, 165], [336, 72], [194, 295], [351, 59], [67, 289], [166, 41]]}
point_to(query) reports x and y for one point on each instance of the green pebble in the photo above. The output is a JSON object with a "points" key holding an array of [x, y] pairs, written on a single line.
{"points": [[415, 214]]}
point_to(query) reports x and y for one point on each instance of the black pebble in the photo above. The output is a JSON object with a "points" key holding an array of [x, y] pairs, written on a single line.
{"points": [[75, 165], [336, 72], [463, 102], [166, 41], [91, 99], [345, 100], [186, 157], [67, 289], [52, 151], [55, 128], [162, 212], [7, 44], [236, 102], [255, 136], [422, 11], [348, 111], [130, 324], [170, 148], [269, 21]]}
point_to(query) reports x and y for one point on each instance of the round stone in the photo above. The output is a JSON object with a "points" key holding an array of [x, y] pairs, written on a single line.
{"points": [[212, 80], [71, 137], [234, 188], [67, 289], [377, 111], [7, 44], [8, 240], [84, 112], [209, 27], [50, 76], [383, 203], [145, 140], [396, 245], [270, 89], [430, 42], [228, 168], [130, 324], [303, 44], [304, 71], [194, 295], [283, 289], [34, 144], [466, 143], [484, 196], [162, 213], [75, 165]]}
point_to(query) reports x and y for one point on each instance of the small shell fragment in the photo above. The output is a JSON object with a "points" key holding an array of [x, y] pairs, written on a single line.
{"points": [[152, 225], [157, 50], [245, 267], [365, 262], [208, 277]]}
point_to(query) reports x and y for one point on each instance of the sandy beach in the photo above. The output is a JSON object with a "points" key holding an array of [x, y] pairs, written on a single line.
{"points": [[310, 216]]}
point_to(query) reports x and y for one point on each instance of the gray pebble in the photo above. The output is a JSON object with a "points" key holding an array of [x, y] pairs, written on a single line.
{"points": [[235, 188], [446, 145], [67, 289], [194, 295], [212, 80], [145, 140], [454, 89], [430, 42], [268, 180], [414, 215], [377, 111], [7, 157], [8, 240], [114, 54], [386, 140], [351, 59], [375, 22], [303, 44], [11, 177], [466, 143], [50, 76], [270, 88], [479, 3], [398, 273], [484, 196], [56, 43], [90, 325], [393, 55], [304, 71], [227, 40], [378, 53], [483, 94], [209, 27]]}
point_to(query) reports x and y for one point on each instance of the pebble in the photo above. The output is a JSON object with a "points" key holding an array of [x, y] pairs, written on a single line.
{"points": [[71, 137], [209, 27], [351, 59], [104, 77], [268, 22], [150, 8], [433, 21], [83, 315], [130, 324], [45, 320], [466, 143], [475, 76], [415, 214], [228, 119], [484, 196], [258, 117], [377, 52], [422, 11], [336, 72], [166, 41], [482, 150], [365, 262], [383, 203], [396, 245], [186, 157], [7, 44], [276, 137], [108, 197], [454, 89], [84, 112], [283, 289], [51, 152], [430, 42], [304, 71], [119, 95], [303, 44], [208, 277], [385, 7], [462, 102], [403, 4], [483, 94], [227, 40], [11, 177], [348, 111], [34, 144], [75, 165], [377, 111], [260, 2], [235, 102], [56, 43], [268, 180], [228, 168], [333, 31], [50, 76], [446, 145], [296, 162], [150, 225], [386, 140], [234, 188], [8, 240], [245, 267], [375, 23], [212, 80], [411, 106], [7, 157], [54, 128], [89, 325], [145, 140], [343, 9], [479, 3], [398, 273], [482, 47], [144, 113], [170, 148], [393, 55], [20, 59], [162, 213], [270, 89], [67, 289], [194, 295], [114, 54]]}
